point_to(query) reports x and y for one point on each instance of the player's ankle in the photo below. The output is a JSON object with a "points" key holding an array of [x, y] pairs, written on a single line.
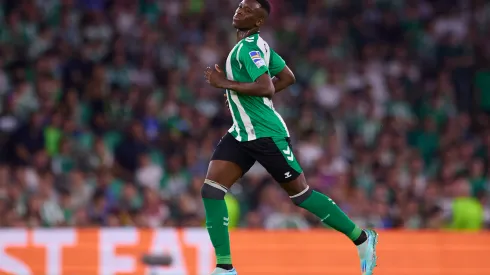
{"points": [[362, 238], [225, 266]]}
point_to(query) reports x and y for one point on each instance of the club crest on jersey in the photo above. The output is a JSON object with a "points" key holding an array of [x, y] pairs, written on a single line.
{"points": [[257, 59]]}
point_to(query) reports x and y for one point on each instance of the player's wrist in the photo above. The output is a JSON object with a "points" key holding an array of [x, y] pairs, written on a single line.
{"points": [[224, 84]]}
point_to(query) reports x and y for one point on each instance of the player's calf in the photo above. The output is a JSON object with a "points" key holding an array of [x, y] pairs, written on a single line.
{"points": [[329, 213], [213, 195]]}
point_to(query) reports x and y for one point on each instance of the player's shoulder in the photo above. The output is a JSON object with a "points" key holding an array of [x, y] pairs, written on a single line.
{"points": [[255, 43], [248, 44]]}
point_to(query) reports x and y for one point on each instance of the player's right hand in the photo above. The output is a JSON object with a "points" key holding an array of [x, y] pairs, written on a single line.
{"points": [[215, 77]]}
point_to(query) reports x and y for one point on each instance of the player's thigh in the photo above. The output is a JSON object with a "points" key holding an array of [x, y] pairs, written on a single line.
{"points": [[277, 157], [229, 162]]}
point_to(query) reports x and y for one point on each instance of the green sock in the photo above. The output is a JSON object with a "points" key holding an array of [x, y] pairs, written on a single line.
{"points": [[217, 225], [330, 214]]}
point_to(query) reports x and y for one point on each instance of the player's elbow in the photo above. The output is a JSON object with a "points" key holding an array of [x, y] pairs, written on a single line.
{"points": [[291, 79], [287, 76]]}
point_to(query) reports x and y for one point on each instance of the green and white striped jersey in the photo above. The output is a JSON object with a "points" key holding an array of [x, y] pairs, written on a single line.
{"points": [[253, 117]]}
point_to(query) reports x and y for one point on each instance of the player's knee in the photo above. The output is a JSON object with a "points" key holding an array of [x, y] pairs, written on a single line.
{"points": [[213, 190], [301, 196]]}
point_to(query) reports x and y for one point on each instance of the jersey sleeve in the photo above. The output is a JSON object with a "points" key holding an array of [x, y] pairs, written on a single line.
{"points": [[276, 64], [253, 60]]}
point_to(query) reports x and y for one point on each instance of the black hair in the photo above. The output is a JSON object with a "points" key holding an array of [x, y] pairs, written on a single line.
{"points": [[266, 5]]}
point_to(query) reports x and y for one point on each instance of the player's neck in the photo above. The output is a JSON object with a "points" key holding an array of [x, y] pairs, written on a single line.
{"points": [[241, 34]]}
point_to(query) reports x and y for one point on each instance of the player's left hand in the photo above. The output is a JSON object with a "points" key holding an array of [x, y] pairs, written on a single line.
{"points": [[215, 77]]}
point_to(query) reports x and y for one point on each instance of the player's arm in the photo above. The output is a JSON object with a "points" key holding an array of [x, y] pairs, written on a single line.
{"points": [[252, 60], [280, 81], [283, 76], [262, 86], [283, 79]]}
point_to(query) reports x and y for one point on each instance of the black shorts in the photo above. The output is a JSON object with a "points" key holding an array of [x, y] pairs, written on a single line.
{"points": [[274, 154]]}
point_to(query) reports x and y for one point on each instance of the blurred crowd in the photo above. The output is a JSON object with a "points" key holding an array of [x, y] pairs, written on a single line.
{"points": [[105, 118]]}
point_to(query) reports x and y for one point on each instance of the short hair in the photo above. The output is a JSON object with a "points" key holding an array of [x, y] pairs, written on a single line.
{"points": [[266, 5]]}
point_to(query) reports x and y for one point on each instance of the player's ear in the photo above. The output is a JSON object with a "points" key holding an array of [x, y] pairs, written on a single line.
{"points": [[259, 22]]}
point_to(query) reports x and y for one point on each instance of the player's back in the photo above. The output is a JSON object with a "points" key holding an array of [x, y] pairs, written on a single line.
{"points": [[253, 117]]}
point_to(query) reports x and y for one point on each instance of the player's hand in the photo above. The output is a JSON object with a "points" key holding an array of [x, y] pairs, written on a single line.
{"points": [[215, 77]]}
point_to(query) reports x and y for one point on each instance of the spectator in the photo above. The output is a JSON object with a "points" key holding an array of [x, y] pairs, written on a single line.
{"points": [[127, 152], [105, 119], [148, 174]]}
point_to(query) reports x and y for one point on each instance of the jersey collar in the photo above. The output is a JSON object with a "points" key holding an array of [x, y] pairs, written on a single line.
{"points": [[252, 35]]}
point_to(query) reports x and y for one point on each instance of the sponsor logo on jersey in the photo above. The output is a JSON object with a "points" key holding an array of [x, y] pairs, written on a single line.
{"points": [[257, 59]]}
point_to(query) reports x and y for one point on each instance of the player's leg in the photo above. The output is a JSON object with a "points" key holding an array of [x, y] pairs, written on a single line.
{"points": [[330, 214], [276, 155], [227, 165], [278, 159]]}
